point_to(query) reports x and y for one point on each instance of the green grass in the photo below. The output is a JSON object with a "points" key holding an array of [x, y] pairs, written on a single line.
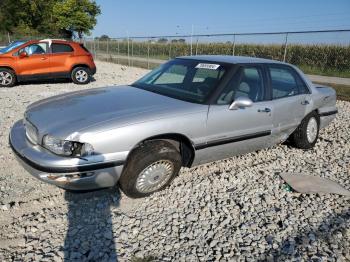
{"points": [[134, 63], [324, 71]]}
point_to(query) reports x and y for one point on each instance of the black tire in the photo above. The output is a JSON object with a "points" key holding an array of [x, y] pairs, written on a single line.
{"points": [[81, 75], [143, 157], [299, 138], [10, 75]]}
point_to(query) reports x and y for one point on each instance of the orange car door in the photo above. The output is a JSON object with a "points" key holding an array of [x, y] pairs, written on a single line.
{"points": [[37, 61], [61, 55]]}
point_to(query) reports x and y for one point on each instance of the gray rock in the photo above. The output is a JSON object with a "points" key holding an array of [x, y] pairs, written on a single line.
{"points": [[192, 217]]}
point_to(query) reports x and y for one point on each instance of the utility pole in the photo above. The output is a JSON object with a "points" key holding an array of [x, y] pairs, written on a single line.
{"points": [[127, 33], [233, 44], [148, 42], [285, 48], [191, 38]]}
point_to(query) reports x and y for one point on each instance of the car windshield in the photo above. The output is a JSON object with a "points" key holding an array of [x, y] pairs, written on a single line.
{"points": [[11, 46], [184, 79]]}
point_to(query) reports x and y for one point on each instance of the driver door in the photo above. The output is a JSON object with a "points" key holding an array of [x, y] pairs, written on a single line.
{"points": [[36, 63], [237, 131]]}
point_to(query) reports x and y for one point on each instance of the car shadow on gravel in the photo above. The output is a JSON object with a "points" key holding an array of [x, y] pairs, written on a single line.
{"points": [[90, 234], [49, 81]]}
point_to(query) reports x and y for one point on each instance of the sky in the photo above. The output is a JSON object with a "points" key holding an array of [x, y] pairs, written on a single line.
{"points": [[177, 17]]}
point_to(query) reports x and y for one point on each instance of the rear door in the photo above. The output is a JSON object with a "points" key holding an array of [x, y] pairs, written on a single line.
{"points": [[232, 132], [37, 63], [61, 53], [290, 99]]}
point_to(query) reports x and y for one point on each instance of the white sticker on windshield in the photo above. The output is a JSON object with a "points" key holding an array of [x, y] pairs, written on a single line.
{"points": [[208, 66]]}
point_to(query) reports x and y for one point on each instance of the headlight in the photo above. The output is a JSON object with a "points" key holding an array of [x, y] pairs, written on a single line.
{"points": [[67, 148]]}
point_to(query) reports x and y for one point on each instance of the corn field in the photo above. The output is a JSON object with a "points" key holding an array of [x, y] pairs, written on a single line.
{"points": [[315, 52], [312, 57]]}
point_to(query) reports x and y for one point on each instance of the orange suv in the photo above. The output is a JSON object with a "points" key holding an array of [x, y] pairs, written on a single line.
{"points": [[43, 59]]}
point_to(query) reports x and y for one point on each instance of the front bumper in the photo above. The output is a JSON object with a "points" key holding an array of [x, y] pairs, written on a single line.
{"points": [[66, 172]]}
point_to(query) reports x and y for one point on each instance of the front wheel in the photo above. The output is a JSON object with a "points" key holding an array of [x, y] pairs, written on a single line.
{"points": [[7, 77], [305, 136], [150, 168], [81, 75]]}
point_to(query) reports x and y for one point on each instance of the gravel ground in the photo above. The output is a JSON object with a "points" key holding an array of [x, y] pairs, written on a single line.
{"points": [[233, 209]]}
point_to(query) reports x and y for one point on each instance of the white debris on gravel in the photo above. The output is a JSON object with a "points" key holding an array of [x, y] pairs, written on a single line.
{"points": [[233, 209]]}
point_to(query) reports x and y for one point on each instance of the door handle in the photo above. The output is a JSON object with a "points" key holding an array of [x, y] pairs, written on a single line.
{"points": [[265, 110], [305, 102], [43, 58]]}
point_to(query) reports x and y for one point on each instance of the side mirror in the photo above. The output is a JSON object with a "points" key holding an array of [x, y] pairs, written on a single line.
{"points": [[23, 54], [241, 102]]}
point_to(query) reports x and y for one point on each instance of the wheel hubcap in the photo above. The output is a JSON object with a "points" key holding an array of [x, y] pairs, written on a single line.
{"points": [[311, 130], [154, 176], [81, 76], [5, 78]]}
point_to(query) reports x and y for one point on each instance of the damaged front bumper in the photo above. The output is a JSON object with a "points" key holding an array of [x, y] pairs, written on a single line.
{"points": [[66, 172]]}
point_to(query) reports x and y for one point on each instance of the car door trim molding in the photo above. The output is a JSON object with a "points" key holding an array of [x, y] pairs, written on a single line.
{"points": [[45, 76], [229, 140]]}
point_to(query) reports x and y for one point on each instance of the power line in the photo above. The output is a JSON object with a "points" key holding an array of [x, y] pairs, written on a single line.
{"points": [[238, 34], [251, 22]]}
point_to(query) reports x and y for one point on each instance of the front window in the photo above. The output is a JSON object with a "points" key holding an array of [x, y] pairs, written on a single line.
{"points": [[11, 46], [35, 49], [247, 82], [184, 79]]}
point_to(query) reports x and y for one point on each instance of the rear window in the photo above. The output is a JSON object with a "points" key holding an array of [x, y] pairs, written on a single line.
{"points": [[61, 48]]}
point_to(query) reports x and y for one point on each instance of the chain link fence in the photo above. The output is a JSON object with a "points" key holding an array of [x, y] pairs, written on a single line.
{"points": [[324, 52], [316, 52]]}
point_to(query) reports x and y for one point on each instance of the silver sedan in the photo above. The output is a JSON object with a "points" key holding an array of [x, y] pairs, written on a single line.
{"points": [[189, 111]]}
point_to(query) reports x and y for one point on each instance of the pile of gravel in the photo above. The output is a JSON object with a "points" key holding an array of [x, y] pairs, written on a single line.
{"points": [[233, 209]]}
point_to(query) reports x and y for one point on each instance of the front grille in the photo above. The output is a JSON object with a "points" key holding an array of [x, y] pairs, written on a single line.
{"points": [[31, 132]]}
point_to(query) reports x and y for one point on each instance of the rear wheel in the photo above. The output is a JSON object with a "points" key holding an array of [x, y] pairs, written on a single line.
{"points": [[7, 77], [151, 167], [81, 75], [305, 136]]}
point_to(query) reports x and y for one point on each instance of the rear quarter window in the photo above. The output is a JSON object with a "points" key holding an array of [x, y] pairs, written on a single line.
{"points": [[61, 48], [84, 47]]}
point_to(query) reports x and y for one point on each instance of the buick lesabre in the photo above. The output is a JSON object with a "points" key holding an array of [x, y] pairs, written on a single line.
{"points": [[189, 111]]}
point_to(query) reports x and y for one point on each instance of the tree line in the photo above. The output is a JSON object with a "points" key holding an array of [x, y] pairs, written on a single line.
{"points": [[51, 18]]}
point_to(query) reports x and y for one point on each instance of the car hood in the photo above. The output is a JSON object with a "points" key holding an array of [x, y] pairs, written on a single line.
{"points": [[100, 109]]}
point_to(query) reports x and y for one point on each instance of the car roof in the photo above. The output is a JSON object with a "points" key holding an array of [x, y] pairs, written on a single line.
{"points": [[232, 59], [47, 40], [57, 41]]}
